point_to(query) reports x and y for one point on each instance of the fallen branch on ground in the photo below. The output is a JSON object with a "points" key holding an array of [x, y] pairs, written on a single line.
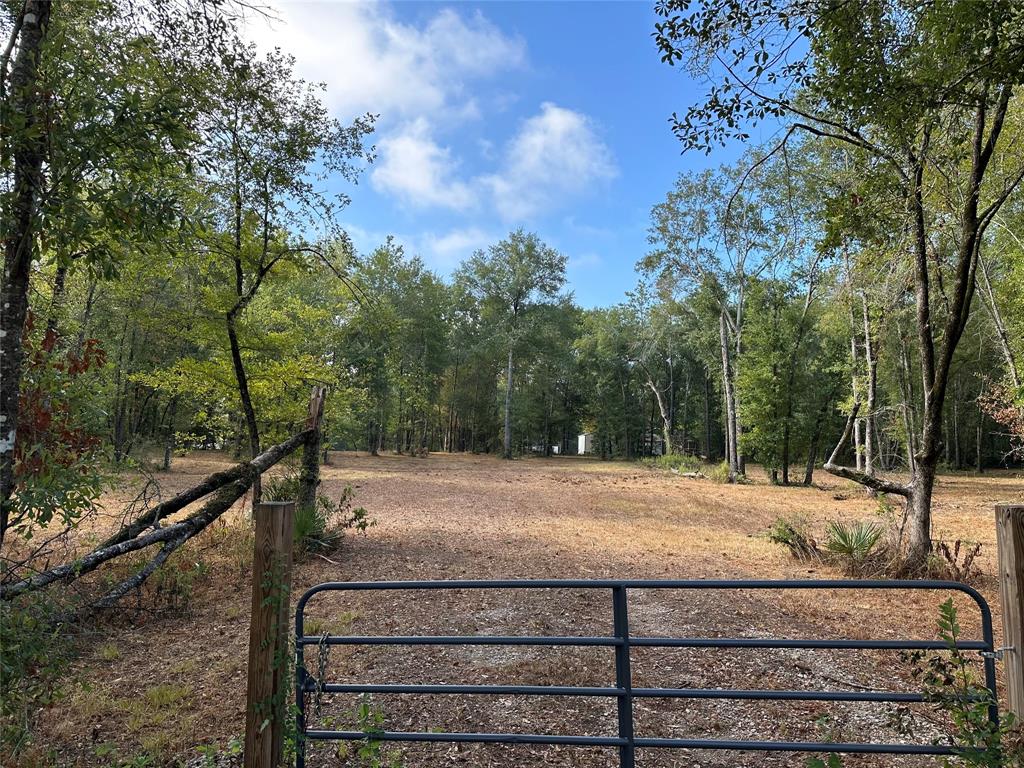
{"points": [[260, 464], [875, 483], [171, 536]]}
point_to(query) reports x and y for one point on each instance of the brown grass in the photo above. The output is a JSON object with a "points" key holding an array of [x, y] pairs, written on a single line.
{"points": [[164, 682]]}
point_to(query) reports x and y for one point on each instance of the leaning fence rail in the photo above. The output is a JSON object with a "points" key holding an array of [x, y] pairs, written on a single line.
{"points": [[623, 691]]}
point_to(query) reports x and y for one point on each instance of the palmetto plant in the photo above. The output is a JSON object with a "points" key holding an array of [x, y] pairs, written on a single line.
{"points": [[854, 541]]}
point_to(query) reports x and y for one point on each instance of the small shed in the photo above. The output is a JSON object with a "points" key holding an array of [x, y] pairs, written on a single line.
{"points": [[585, 443]]}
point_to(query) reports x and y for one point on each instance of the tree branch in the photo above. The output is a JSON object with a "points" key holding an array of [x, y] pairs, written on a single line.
{"points": [[870, 481], [260, 464], [136, 581], [186, 529]]}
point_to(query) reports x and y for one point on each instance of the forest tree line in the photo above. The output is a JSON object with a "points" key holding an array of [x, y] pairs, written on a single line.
{"points": [[176, 277], [417, 362]]}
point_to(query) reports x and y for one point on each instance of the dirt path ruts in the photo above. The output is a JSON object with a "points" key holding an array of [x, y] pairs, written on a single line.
{"points": [[478, 517]]}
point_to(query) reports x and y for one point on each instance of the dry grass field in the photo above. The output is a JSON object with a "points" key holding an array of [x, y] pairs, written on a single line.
{"points": [[172, 678]]}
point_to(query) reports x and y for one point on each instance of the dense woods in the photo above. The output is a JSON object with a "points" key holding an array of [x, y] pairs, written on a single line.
{"points": [[175, 278], [845, 297]]}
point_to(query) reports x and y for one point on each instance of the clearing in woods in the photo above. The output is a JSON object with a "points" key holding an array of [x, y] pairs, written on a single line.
{"points": [[173, 682]]}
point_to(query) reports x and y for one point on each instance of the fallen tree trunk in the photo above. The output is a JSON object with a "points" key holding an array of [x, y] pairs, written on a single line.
{"points": [[188, 528], [260, 464], [871, 481], [233, 484]]}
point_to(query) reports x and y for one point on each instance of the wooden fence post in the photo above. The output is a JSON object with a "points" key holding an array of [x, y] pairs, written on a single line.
{"points": [[269, 657], [309, 472], [1010, 540]]}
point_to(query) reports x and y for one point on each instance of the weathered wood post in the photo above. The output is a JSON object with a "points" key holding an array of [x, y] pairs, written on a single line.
{"points": [[309, 474], [269, 655], [1010, 540]]}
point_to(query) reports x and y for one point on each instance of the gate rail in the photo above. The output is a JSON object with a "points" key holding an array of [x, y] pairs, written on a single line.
{"points": [[623, 691]]}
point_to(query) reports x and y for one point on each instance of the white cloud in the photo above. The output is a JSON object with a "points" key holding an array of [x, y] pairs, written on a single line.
{"points": [[423, 78], [440, 252], [584, 261], [372, 62], [418, 171], [555, 155], [446, 251]]}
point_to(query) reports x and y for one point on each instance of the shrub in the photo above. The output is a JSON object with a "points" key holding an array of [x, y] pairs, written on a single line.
{"points": [[319, 528], [35, 653], [794, 535], [371, 753], [281, 488], [950, 684], [313, 530], [949, 679], [852, 543], [719, 473], [677, 461], [955, 561]]}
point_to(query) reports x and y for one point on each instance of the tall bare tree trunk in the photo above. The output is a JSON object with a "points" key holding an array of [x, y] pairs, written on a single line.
{"points": [[858, 443], [666, 429], [625, 418], [989, 300], [242, 379], [979, 464], [791, 373], [83, 325], [730, 400], [25, 101], [906, 381], [956, 424], [172, 412], [686, 407], [507, 452], [707, 413], [812, 449], [871, 359], [60, 279]]}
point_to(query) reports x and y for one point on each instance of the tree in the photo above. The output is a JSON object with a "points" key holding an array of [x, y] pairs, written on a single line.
{"points": [[547, 389], [656, 353], [707, 236], [269, 140], [91, 151], [609, 382], [394, 347], [919, 94], [510, 280]]}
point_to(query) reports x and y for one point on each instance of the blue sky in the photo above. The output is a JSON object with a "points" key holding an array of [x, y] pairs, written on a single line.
{"points": [[548, 116]]}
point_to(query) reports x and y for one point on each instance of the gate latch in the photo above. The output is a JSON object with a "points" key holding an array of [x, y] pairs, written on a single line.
{"points": [[996, 654]]}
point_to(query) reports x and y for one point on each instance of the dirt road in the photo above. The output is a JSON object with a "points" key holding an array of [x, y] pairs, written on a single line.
{"points": [[478, 517]]}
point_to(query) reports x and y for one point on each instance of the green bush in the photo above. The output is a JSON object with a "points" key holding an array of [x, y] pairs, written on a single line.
{"points": [[719, 473], [677, 461], [794, 535], [34, 653], [949, 681], [281, 488], [313, 530], [319, 528], [371, 753], [853, 543]]}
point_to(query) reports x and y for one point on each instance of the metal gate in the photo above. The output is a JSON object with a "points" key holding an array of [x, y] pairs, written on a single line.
{"points": [[623, 692]]}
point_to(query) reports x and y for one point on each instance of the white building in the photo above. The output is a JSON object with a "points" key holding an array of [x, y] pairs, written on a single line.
{"points": [[585, 443]]}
